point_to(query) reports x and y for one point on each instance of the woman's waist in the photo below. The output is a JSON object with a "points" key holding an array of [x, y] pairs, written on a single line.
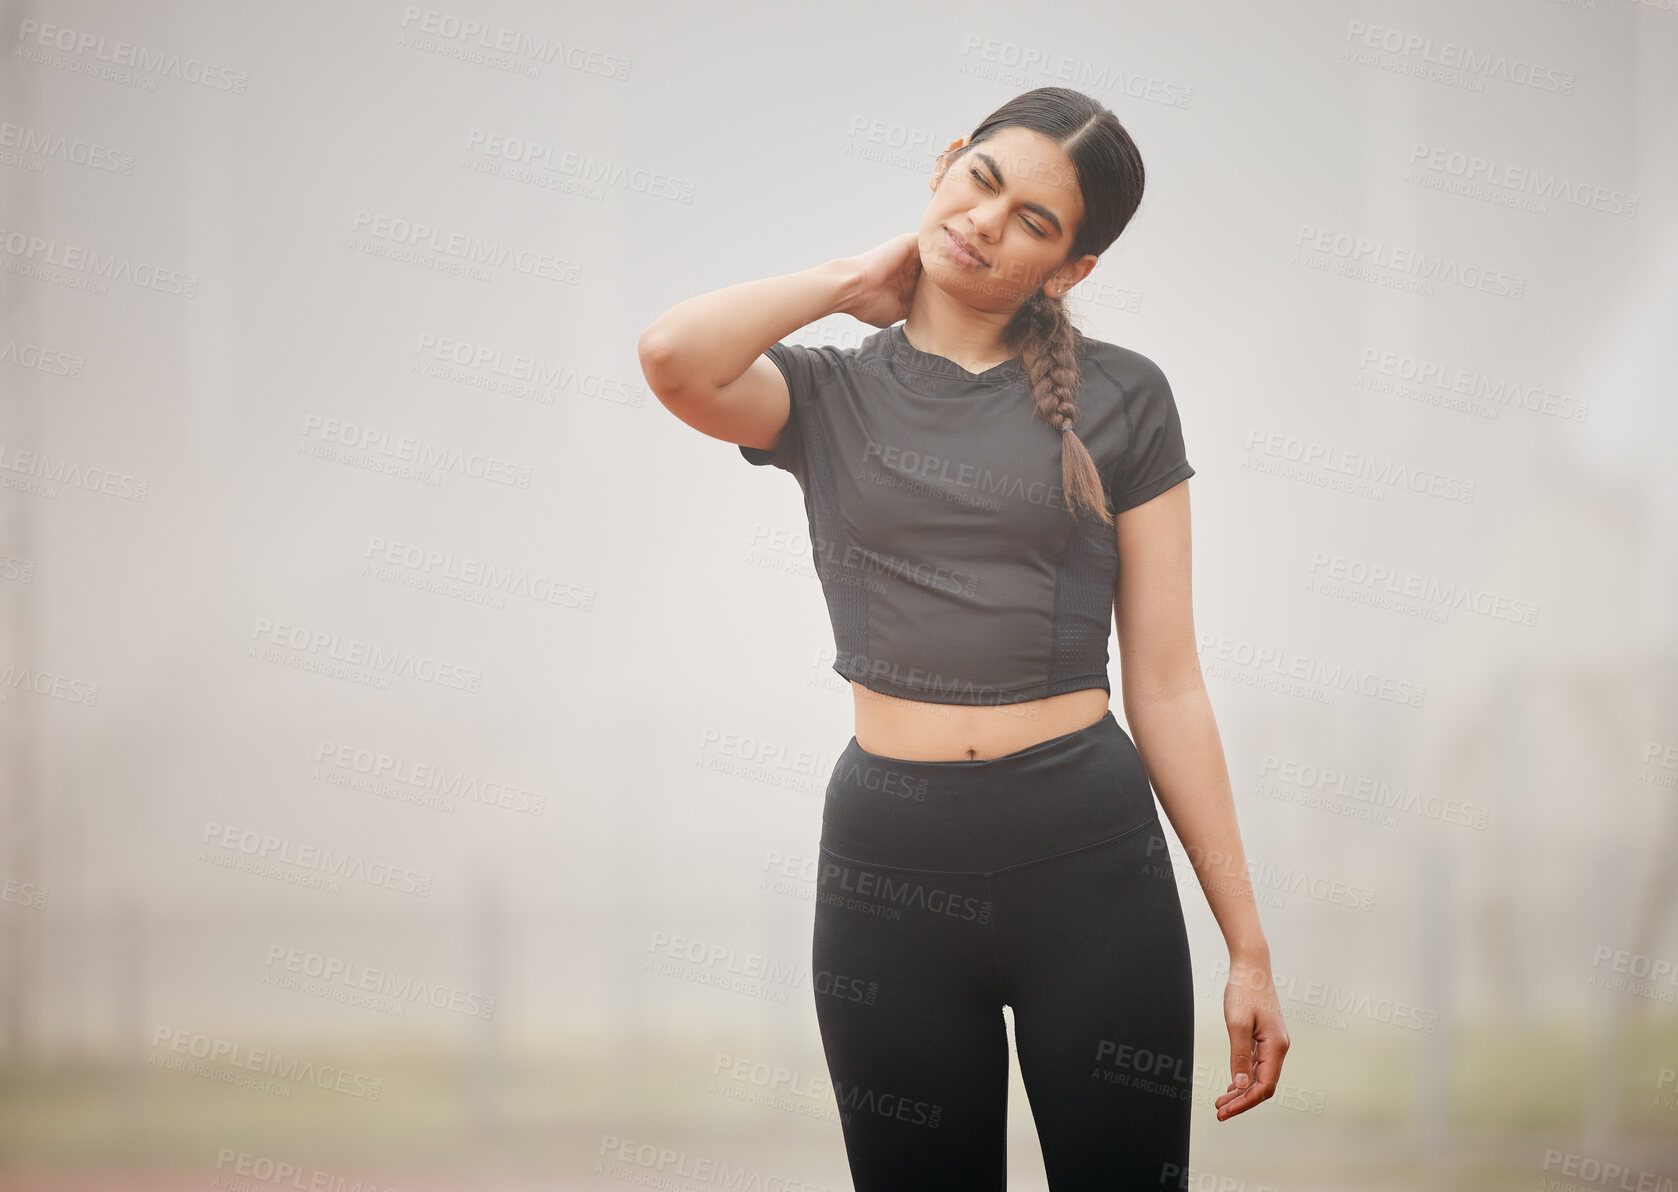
{"points": [[891, 728], [1065, 792]]}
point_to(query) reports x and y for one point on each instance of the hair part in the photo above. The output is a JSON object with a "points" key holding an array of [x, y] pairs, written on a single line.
{"points": [[1110, 177]]}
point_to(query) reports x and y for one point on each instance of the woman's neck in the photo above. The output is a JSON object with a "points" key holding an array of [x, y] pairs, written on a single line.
{"points": [[942, 326]]}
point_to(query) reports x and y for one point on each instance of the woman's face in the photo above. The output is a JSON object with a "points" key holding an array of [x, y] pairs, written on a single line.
{"points": [[1014, 200]]}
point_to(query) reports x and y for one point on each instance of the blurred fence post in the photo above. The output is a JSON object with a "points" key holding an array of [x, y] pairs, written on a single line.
{"points": [[625, 924], [485, 947], [1601, 1126], [128, 951], [1435, 1109], [784, 936]]}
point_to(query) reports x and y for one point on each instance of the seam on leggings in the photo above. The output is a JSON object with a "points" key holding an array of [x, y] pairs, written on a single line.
{"points": [[993, 872]]}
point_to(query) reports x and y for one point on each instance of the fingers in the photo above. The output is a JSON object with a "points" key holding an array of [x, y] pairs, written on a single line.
{"points": [[1234, 1102], [1254, 1078], [1241, 1052], [1239, 1098]]}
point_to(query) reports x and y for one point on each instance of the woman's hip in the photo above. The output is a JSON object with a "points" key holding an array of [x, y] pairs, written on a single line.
{"points": [[989, 814]]}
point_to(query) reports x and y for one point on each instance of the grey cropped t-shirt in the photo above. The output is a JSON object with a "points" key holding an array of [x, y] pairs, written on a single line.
{"points": [[953, 571]]}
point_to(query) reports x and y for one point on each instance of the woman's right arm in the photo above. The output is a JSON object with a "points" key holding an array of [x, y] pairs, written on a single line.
{"points": [[703, 358]]}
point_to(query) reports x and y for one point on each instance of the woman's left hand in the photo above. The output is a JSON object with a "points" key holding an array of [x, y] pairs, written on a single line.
{"points": [[1258, 1038]]}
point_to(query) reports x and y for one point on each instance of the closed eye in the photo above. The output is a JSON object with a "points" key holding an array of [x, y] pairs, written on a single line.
{"points": [[973, 172]]}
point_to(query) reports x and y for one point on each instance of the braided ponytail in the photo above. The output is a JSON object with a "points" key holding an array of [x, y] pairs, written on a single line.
{"points": [[1048, 350]]}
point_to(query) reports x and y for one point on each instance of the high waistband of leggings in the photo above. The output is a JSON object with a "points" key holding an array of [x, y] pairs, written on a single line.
{"points": [[986, 815]]}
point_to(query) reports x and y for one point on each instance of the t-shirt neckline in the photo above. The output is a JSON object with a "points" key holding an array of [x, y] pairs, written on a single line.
{"points": [[908, 355]]}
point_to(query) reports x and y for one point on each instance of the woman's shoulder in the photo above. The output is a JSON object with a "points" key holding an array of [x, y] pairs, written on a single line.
{"points": [[1122, 385], [839, 347], [1103, 361]]}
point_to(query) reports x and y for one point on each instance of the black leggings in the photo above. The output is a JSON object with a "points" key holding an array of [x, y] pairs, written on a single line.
{"points": [[1039, 879]]}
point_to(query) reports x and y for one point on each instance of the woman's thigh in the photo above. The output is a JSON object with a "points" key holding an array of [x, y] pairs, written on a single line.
{"points": [[1095, 962], [905, 980]]}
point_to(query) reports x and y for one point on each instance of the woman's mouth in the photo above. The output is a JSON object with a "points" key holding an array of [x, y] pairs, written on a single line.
{"points": [[962, 251]]}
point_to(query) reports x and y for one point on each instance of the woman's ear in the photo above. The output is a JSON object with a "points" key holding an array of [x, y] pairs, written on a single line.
{"points": [[943, 162]]}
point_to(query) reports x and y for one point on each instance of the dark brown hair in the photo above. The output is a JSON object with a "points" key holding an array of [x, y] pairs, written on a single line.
{"points": [[1041, 334]]}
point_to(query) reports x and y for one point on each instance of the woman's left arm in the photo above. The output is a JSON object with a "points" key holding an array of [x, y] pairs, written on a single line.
{"points": [[1170, 717]]}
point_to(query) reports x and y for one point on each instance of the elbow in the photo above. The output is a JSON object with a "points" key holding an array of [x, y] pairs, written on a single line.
{"points": [[654, 346], [660, 364]]}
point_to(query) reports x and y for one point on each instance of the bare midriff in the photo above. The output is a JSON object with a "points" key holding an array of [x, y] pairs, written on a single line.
{"points": [[914, 730]]}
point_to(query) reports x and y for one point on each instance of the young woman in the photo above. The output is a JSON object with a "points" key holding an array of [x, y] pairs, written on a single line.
{"points": [[983, 484]]}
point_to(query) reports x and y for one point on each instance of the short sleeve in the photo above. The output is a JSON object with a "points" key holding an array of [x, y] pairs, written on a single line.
{"points": [[806, 370], [1154, 458]]}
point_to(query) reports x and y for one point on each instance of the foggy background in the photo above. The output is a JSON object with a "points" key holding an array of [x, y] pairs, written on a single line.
{"points": [[413, 738]]}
